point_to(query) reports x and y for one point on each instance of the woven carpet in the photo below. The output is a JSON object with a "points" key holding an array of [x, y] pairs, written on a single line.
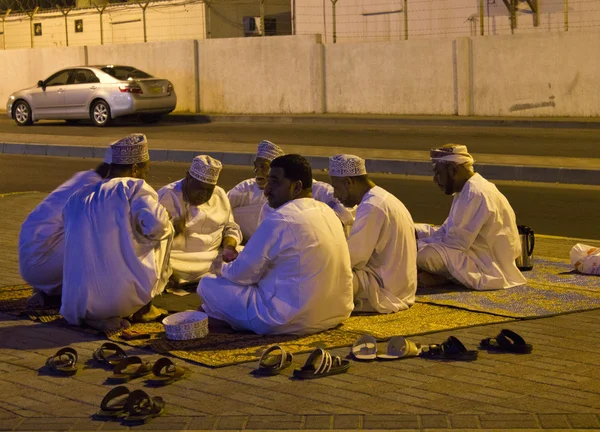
{"points": [[223, 347], [551, 289]]}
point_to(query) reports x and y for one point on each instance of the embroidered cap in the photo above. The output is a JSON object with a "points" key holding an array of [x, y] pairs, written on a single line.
{"points": [[130, 150], [346, 165], [268, 150], [206, 169]]}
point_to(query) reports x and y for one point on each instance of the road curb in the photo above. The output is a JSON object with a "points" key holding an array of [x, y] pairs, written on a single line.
{"points": [[389, 166], [390, 121]]}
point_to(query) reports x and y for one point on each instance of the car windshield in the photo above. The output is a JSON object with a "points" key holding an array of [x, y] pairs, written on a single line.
{"points": [[124, 73]]}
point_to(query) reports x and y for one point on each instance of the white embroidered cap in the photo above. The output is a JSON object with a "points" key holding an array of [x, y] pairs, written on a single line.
{"points": [[346, 165], [269, 151], [130, 150], [206, 169], [108, 156]]}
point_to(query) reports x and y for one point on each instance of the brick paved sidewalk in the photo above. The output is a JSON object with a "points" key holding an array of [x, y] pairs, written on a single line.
{"points": [[555, 387]]}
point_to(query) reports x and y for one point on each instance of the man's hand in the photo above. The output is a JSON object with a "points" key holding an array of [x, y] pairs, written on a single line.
{"points": [[229, 253], [179, 226]]}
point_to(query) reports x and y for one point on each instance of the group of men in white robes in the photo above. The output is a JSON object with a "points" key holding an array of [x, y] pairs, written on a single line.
{"points": [[313, 252]]}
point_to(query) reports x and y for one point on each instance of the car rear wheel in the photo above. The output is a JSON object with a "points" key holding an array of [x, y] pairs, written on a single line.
{"points": [[100, 114], [151, 118], [22, 113]]}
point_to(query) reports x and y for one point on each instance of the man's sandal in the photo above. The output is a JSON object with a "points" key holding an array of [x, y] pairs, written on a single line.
{"points": [[507, 341], [399, 348], [327, 365], [64, 362], [130, 368], [113, 406], [109, 354], [452, 349], [273, 360], [141, 408], [166, 372], [365, 348]]}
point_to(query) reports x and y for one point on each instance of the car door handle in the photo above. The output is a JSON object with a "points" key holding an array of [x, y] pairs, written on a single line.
{"points": [[93, 88]]}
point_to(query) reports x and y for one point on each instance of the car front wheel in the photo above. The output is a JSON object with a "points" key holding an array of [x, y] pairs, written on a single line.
{"points": [[22, 113], [100, 113]]}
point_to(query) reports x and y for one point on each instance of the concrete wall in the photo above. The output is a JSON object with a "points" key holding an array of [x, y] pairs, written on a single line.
{"points": [[414, 77], [265, 75], [175, 61], [550, 75], [20, 69]]}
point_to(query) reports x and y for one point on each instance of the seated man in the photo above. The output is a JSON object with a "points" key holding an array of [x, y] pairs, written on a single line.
{"points": [[383, 248], [478, 243], [202, 217], [117, 240], [41, 240], [248, 201], [294, 274]]}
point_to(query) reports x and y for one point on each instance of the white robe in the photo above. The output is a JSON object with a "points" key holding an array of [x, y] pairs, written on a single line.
{"points": [[248, 202], [117, 240], [41, 240], [197, 250], [383, 252], [292, 277], [479, 241]]}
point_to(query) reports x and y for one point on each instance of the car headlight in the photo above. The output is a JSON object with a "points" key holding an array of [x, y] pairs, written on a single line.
{"points": [[12, 97]]}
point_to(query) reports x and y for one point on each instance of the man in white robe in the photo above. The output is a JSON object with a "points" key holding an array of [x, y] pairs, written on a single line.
{"points": [[478, 243], [382, 244], [202, 210], [117, 240], [294, 274], [248, 201], [41, 240]]}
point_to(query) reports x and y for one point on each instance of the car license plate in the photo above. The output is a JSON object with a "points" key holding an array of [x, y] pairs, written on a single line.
{"points": [[156, 90]]}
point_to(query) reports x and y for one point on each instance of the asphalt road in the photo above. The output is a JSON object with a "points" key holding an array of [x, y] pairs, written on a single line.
{"points": [[561, 210], [484, 140]]}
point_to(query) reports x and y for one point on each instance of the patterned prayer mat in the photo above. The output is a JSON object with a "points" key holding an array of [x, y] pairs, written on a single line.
{"points": [[552, 289], [223, 347]]}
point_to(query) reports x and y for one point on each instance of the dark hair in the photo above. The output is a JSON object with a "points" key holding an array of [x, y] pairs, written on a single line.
{"points": [[295, 168]]}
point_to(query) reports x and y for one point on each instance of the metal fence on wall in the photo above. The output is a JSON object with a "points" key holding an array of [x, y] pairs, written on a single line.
{"points": [[141, 21], [380, 20]]}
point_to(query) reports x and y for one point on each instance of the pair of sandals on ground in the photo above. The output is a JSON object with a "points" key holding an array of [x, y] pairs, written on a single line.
{"points": [[132, 408], [321, 363], [365, 348]]}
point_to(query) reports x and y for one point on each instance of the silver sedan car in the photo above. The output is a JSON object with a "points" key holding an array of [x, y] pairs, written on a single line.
{"points": [[96, 93]]}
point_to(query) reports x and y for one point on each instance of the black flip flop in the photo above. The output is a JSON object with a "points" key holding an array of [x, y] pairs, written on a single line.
{"points": [[166, 372], [64, 362], [271, 363], [113, 406], [142, 408], [507, 341], [452, 349], [327, 365], [121, 375], [110, 354]]}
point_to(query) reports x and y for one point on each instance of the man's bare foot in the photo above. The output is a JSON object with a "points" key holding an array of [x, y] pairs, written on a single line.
{"points": [[110, 324], [148, 314], [429, 280]]}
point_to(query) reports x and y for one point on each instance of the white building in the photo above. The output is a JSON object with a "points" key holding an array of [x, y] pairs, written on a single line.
{"points": [[129, 23], [384, 20]]}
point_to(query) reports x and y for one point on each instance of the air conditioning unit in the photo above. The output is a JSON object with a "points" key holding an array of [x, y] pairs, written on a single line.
{"points": [[252, 26]]}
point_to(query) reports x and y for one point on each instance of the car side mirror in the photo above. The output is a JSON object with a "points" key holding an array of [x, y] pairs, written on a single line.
{"points": [[41, 84]]}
